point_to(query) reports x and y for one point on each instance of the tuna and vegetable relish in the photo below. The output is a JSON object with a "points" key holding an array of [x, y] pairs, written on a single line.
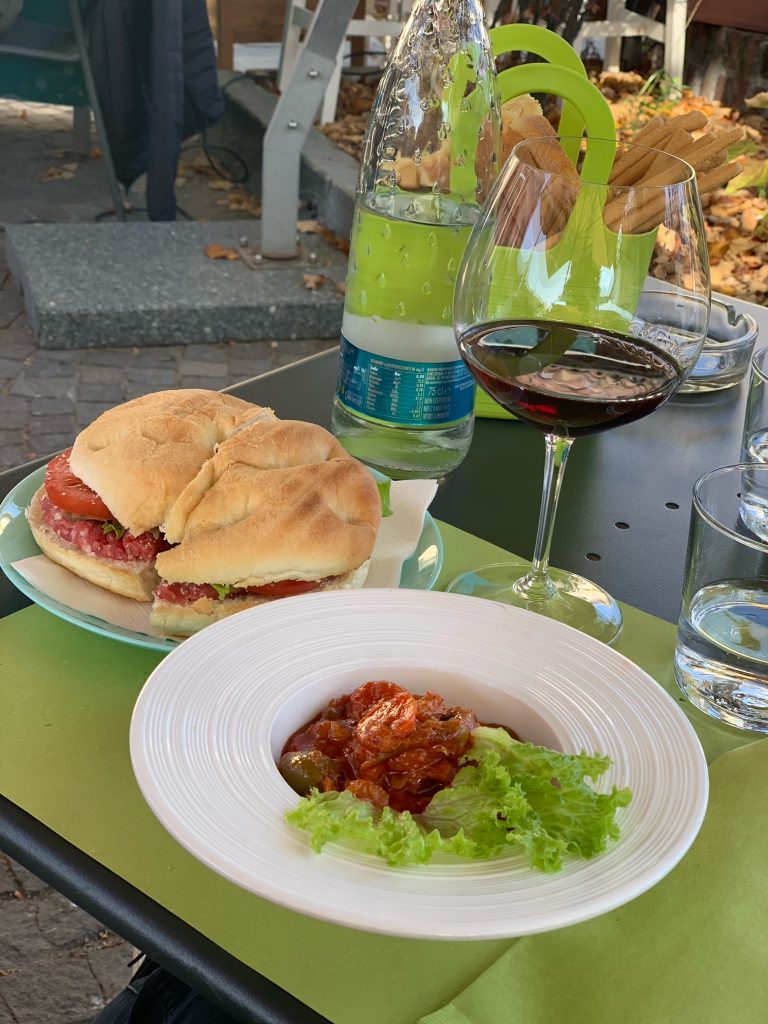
{"points": [[405, 775]]}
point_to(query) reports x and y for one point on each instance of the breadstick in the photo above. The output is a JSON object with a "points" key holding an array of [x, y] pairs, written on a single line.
{"points": [[624, 170], [718, 177], [648, 129], [701, 152], [548, 155], [407, 173], [654, 209], [436, 167], [647, 200], [674, 146]]}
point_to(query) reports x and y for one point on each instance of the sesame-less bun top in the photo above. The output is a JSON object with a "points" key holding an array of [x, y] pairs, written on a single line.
{"points": [[279, 500], [140, 456]]}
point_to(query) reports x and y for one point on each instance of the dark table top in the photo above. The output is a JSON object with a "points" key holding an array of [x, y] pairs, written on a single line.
{"points": [[625, 505], [623, 521]]}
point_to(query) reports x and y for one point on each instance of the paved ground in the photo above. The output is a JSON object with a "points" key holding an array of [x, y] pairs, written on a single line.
{"points": [[58, 965], [47, 396]]}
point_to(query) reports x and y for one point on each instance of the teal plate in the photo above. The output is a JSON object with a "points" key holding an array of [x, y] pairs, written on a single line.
{"points": [[419, 572]]}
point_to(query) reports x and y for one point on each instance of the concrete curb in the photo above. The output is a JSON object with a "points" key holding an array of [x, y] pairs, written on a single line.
{"points": [[143, 283]]}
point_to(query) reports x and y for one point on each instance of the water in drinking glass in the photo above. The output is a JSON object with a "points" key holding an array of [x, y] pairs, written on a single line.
{"points": [[722, 650], [721, 657], [754, 444]]}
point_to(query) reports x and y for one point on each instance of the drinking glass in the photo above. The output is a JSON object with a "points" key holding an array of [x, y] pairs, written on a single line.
{"points": [[578, 307], [721, 657], [754, 444]]}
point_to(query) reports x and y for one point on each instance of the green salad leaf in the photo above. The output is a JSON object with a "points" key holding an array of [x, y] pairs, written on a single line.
{"points": [[384, 493], [507, 794], [112, 526], [222, 589]]}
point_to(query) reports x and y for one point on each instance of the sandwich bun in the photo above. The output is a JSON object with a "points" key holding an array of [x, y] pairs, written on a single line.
{"points": [[279, 500], [140, 456], [128, 579]]}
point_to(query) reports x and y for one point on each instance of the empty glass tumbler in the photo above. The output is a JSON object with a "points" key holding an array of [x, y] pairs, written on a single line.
{"points": [[721, 658], [754, 445]]}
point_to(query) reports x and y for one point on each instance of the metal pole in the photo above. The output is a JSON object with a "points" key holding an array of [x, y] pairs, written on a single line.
{"points": [[674, 38], [290, 123], [90, 85]]}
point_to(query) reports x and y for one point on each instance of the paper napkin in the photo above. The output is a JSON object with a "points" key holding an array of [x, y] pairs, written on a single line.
{"points": [[396, 541]]}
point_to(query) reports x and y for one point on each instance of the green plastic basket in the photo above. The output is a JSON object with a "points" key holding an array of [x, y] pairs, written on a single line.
{"points": [[528, 285]]}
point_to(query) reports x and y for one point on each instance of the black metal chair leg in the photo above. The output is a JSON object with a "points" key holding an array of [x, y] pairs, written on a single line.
{"points": [[106, 153]]}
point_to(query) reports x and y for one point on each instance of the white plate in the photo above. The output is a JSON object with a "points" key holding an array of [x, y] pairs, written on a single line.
{"points": [[214, 715]]}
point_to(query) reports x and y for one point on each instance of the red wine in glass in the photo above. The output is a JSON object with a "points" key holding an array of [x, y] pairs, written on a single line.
{"points": [[567, 380]]}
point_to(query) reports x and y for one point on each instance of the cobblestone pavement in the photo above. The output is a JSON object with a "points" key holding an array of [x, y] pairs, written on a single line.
{"points": [[57, 964], [47, 396]]}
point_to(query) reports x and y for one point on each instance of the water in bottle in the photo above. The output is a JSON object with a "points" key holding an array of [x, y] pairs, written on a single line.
{"points": [[404, 397]]}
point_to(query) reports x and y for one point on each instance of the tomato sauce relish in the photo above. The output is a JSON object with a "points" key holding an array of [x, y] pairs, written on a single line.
{"points": [[382, 743]]}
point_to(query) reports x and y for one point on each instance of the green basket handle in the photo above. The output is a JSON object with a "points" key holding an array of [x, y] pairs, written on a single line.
{"points": [[553, 48], [466, 109], [588, 101]]}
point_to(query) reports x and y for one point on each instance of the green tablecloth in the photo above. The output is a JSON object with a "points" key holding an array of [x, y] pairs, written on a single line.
{"points": [[66, 698]]}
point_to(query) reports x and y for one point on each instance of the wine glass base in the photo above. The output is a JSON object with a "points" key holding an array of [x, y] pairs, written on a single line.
{"points": [[578, 602]]}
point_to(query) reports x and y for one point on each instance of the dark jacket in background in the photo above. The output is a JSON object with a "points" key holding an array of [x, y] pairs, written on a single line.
{"points": [[154, 66]]}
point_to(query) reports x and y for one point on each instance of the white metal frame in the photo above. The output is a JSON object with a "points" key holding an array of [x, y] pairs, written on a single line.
{"points": [[298, 20], [620, 23]]}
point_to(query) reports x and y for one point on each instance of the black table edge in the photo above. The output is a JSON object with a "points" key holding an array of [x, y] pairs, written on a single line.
{"points": [[229, 983], [281, 369]]}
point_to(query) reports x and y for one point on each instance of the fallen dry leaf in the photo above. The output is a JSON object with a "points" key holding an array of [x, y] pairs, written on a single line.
{"points": [[70, 167], [214, 251], [341, 287], [201, 165], [759, 101], [310, 227], [313, 281], [241, 202], [56, 174], [220, 184]]}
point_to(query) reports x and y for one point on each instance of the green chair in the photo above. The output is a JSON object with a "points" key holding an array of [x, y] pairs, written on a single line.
{"points": [[44, 59]]}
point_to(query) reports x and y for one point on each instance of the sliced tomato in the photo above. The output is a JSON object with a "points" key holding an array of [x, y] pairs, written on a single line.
{"points": [[285, 588], [70, 493]]}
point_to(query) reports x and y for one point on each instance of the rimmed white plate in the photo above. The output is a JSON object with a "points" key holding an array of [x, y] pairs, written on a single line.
{"points": [[420, 571], [213, 716]]}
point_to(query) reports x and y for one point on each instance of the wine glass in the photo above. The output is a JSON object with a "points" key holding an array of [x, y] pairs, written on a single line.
{"points": [[579, 306]]}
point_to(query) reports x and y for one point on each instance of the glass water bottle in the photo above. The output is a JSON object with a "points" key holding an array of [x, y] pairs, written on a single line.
{"points": [[404, 399]]}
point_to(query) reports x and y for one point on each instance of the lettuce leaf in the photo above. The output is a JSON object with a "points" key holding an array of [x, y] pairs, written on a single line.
{"points": [[384, 487], [112, 526], [507, 794]]}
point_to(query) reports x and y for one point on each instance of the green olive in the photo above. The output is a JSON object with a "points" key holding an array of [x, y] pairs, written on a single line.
{"points": [[305, 769]]}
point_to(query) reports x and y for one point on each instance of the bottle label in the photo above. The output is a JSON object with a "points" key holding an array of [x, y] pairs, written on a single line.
{"points": [[403, 392]]}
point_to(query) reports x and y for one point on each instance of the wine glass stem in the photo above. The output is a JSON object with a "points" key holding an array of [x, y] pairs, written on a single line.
{"points": [[537, 584]]}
